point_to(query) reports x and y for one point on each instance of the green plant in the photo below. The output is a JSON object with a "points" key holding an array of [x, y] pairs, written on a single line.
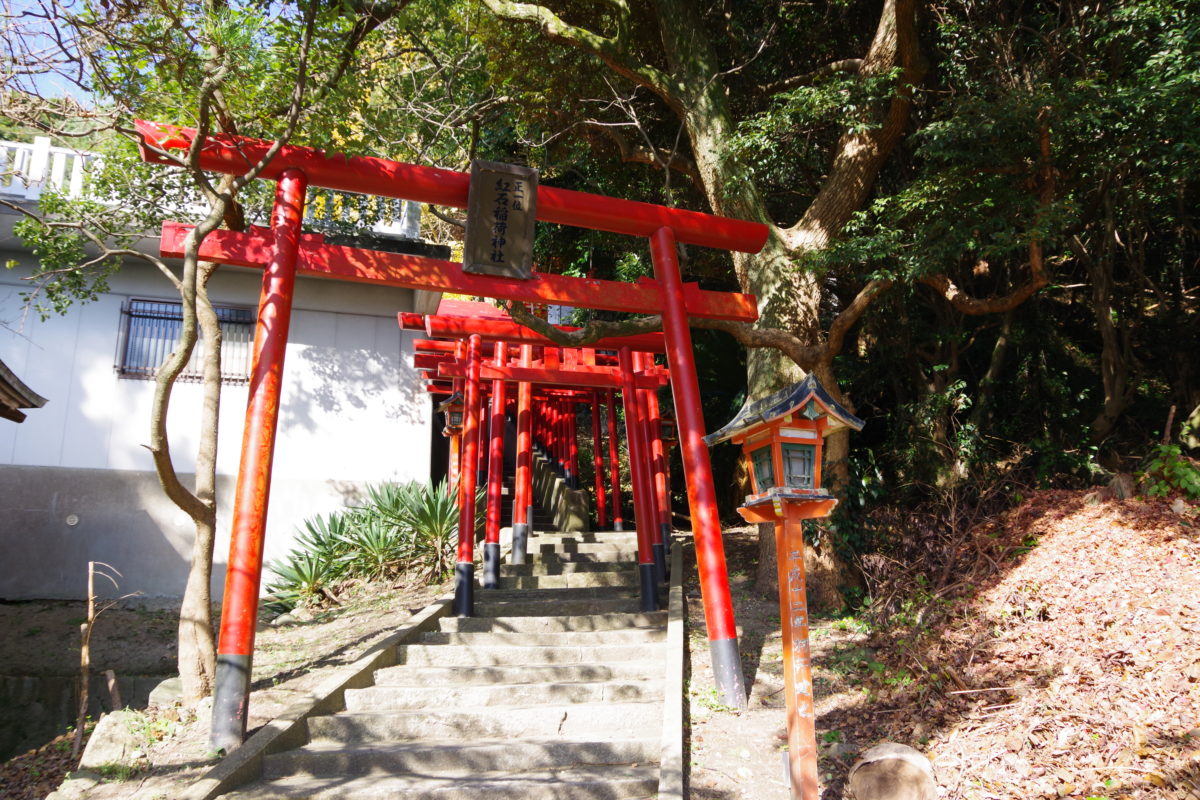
{"points": [[149, 728], [1169, 470], [400, 528], [118, 773], [374, 547], [433, 517], [708, 699], [302, 578], [324, 536]]}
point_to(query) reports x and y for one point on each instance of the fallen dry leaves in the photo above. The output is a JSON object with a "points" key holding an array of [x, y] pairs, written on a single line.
{"points": [[1080, 663]]}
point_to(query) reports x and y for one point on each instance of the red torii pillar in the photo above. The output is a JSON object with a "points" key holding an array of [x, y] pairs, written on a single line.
{"points": [[455, 467], [464, 570], [652, 452], [647, 573], [598, 462], [662, 491], [645, 463], [239, 610], [491, 534], [523, 485], [702, 495], [571, 424], [614, 460]]}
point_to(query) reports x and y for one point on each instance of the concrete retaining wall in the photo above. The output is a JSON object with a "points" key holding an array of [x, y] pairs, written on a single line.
{"points": [[56, 519], [33, 710]]}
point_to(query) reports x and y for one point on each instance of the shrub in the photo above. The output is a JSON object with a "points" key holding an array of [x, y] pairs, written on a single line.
{"points": [[1169, 470], [403, 528]]}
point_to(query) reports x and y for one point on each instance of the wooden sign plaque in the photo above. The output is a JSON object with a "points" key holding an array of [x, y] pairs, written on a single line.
{"points": [[501, 210]]}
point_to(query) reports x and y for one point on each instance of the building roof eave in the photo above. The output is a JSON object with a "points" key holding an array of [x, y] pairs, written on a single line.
{"points": [[15, 395]]}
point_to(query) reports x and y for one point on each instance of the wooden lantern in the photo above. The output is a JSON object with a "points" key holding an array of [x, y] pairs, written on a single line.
{"points": [[669, 434], [782, 439], [452, 409]]}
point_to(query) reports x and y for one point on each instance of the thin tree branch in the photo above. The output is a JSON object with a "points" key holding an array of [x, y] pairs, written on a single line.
{"points": [[848, 65], [590, 333], [851, 314], [634, 154], [460, 222], [806, 356], [610, 50]]}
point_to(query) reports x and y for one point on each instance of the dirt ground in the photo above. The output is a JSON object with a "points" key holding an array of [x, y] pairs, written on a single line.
{"points": [[1068, 668], [290, 659], [741, 755]]}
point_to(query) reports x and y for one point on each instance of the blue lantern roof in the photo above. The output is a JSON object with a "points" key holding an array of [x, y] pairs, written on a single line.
{"points": [[784, 402]]}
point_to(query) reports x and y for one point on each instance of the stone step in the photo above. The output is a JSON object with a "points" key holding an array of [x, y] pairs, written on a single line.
{"points": [[552, 596], [504, 655], [542, 567], [584, 783], [612, 551], [459, 758], [521, 673], [573, 580], [544, 639], [616, 557], [582, 622], [597, 720], [416, 698], [592, 536], [514, 605]]}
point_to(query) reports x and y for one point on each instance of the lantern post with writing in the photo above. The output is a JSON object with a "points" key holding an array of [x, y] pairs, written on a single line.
{"points": [[782, 438]]}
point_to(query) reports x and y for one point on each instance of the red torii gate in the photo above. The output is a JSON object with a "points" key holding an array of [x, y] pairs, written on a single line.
{"points": [[283, 251], [459, 319], [647, 458]]}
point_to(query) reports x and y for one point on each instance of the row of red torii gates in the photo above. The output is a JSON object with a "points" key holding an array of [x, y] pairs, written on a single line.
{"points": [[283, 251], [552, 382]]}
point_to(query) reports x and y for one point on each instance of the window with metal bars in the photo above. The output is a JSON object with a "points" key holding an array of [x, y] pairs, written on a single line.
{"points": [[798, 465], [151, 330], [764, 468]]}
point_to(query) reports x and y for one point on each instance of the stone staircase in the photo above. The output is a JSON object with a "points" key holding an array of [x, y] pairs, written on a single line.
{"points": [[553, 690]]}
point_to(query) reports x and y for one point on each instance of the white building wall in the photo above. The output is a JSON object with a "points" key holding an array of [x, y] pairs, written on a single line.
{"points": [[353, 412]]}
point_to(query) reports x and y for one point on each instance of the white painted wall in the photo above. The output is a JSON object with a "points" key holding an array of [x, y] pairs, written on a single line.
{"points": [[353, 409]]}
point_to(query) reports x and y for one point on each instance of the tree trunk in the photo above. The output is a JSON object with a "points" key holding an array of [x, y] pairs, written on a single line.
{"points": [[788, 300], [196, 657], [197, 653], [1114, 352]]}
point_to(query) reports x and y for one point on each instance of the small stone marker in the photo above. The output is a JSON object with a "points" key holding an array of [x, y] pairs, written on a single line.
{"points": [[167, 693], [112, 742], [891, 771]]}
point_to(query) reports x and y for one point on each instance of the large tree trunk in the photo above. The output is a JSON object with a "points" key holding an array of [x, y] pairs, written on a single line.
{"points": [[691, 85]]}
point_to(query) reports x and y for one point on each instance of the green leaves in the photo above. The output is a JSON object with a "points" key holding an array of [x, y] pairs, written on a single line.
{"points": [[1168, 470], [402, 529]]}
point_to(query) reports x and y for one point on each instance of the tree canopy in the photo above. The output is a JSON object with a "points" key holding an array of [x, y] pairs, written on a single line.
{"points": [[982, 214]]}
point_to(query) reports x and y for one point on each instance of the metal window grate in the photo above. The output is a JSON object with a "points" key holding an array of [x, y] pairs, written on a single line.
{"points": [[764, 469], [798, 465], [152, 329]]}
